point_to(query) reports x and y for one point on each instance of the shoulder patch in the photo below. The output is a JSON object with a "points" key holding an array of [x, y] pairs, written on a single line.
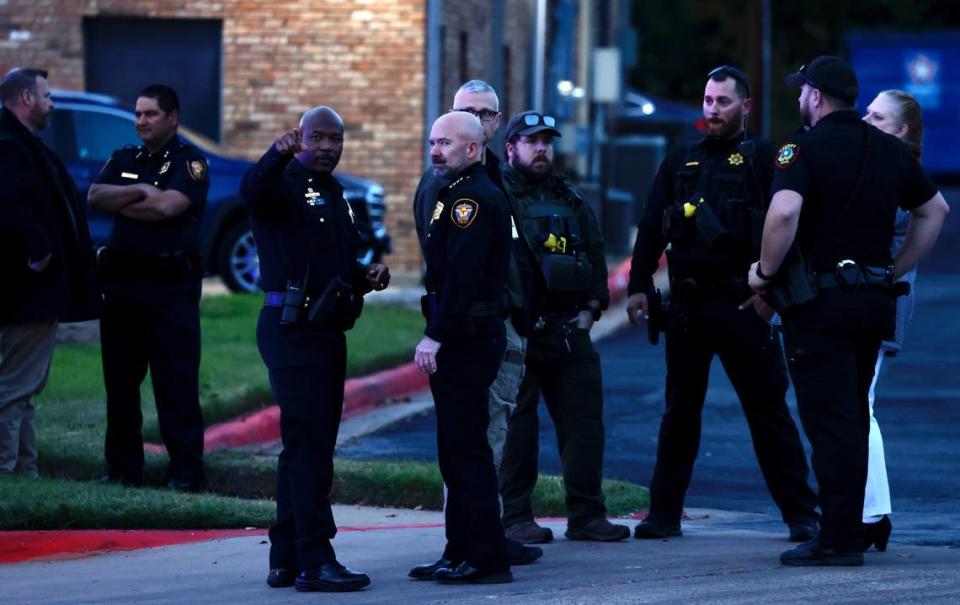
{"points": [[787, 155], [464, 212], [197, 169]]}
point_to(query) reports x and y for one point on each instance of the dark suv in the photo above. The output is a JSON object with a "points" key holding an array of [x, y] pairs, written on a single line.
{"points": [[85, 129]]}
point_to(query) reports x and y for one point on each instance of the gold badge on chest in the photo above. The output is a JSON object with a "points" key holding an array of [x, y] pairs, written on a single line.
{"points": [[735, 159], [165, 167]]}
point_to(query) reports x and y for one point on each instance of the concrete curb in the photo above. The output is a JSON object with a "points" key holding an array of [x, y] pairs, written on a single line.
{"points": [[360, 395]]}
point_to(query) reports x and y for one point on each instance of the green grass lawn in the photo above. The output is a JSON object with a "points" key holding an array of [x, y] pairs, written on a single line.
{"points": [[71, 412], [71, 421]]}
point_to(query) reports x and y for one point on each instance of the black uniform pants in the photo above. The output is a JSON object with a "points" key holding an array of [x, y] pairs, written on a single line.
{"points": [[307, 369], [751, 356], [563, 366], [466, 367], [832, 346], [164, 336]]}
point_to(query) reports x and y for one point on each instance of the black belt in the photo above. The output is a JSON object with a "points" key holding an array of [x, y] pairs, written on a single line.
{"points": [[273, 299], [513, 356], [829, 280]]}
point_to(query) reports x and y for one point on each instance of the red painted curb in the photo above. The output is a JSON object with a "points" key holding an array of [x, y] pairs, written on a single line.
{"points": [[17, 546], [360, 395], [20, 546]]}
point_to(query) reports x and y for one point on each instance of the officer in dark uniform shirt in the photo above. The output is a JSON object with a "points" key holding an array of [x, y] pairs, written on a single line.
{"points": [[467, 252], [707, 201], [836, 191], [307, 241], [569, 291], [479, 98], [151, 280]]}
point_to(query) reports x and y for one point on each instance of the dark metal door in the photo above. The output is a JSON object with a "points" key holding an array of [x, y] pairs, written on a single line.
{"points": [[122, 55]]}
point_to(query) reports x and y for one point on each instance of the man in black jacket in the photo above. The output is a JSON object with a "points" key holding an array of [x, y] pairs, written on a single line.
{"points": [[45, 258]]}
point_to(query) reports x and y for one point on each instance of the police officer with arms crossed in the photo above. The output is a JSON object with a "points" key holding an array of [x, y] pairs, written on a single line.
{"points": [[707, 201], [569, 292], [314, 286], [836, 191], [467, 251], [151, 280], [479, 98]]}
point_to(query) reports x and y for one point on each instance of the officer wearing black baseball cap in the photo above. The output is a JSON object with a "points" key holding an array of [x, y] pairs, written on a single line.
{"points": [[828, 74], [836, 190]]}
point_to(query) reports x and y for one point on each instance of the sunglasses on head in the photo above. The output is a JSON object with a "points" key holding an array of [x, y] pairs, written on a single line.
{"points": [[733, 72], [534, 119]]}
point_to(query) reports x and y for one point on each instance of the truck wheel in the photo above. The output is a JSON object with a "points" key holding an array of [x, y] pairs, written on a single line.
{"points": [[239, 265]]}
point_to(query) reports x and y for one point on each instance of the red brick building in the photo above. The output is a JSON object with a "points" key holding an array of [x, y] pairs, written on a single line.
{"points": [[369, 59]]}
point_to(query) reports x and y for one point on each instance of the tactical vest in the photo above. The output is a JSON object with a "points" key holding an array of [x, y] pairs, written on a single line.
{"points": [[719, 205], [552, 231]]}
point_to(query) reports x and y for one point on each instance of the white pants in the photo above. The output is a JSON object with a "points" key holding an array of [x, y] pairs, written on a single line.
{"points": [[876, 496]]}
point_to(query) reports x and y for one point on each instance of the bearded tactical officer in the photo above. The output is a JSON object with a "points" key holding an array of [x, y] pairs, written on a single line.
{"points": [[707, 202], [569, 291]]}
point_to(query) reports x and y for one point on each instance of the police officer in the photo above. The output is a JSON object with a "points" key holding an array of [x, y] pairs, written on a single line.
{"points": [[836, 191], [151, 279], [707, 201], [467, 251], [307, 241], [480, 99], [569, 293]]}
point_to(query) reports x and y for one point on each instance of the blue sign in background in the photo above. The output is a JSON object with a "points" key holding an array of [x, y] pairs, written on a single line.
{"points": [[928, 67]]}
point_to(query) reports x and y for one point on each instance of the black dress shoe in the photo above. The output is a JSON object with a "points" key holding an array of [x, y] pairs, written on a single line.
{"points": [[520, 554], [468, 574], [812, 553], [651, 530], [427, 571], [280, 577], [804, 530], [877, 534], [331, 577]]}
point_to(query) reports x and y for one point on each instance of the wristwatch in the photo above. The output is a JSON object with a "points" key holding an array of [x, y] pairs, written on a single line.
{"points": [[762, 275]]}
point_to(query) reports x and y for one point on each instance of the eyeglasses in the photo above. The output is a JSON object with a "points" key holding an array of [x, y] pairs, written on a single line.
{"points": [[485, 115], [733, 72], [534, 119]]}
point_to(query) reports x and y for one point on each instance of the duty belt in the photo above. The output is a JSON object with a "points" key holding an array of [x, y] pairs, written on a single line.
{"points": [[848, 274]]}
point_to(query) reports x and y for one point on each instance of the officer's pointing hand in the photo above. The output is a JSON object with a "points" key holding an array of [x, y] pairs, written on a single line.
{"points": [[637, 308], [425, 356], [289, 142]]}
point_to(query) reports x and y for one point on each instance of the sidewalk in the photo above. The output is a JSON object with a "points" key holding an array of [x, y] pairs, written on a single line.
{"points": [[710, 564]]}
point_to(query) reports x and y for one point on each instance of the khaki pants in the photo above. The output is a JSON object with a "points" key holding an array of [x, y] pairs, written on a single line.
{"points": [[25, 353], [504, 390]]}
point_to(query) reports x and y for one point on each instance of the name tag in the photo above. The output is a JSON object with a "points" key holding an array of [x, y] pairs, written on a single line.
{"points": [[129, 175]]}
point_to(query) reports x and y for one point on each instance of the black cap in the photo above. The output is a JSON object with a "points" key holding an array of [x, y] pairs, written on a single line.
{"points": [[531, 122], [831, 75]]}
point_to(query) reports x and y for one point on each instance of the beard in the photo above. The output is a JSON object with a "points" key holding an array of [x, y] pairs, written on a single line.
{"points": [[535, 170], [721, 129]]}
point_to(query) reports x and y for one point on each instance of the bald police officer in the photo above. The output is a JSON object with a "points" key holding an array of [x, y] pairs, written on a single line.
{"points": [[313, 292], [467, 252]]}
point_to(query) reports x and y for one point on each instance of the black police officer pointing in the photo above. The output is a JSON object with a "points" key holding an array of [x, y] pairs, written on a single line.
{"points": [[836, 191], [467, 251], [707, 201], [314, 286], [151, 280]]}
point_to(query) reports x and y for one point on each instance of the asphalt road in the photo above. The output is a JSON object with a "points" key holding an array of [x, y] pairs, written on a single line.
{"points": [[918, 407]]}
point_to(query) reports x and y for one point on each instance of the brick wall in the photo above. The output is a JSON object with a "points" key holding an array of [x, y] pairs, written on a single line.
{"points": [[364, 58]]}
